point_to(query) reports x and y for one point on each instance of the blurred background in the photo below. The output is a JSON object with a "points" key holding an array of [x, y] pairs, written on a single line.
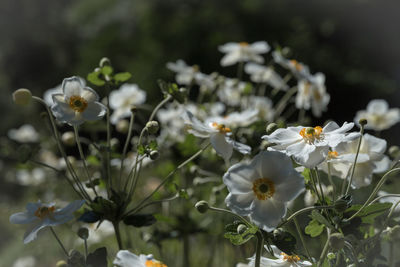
{"points": [[354, 43]]}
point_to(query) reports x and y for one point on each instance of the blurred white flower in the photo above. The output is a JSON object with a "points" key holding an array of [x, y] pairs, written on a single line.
{"points": [[263, 74], [312, 94], [126, 258], [311, 198], [299, 70], [392, 200], [241, 52], [123, 99], [48, 94], [218, 134], [77, 103], [262, 187], [39, 215], [231, 90], [235, 119], [27, 261], [371, 159], [189, 75], [30, 177], [378, 115], [24, 134], [310, 146], [263, 105]]}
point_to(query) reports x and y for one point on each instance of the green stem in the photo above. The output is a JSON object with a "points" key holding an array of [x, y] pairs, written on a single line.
{"points": [[260, 243], [325, 249], [319, 183], [118, 234], [162, 103], [331, 181], [303, 211], [231, 213], [108, 159], [355, 159], [302, 239], [59, 241], [127, 141], [283, 101]]}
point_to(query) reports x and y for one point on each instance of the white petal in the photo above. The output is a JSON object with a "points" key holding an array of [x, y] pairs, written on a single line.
{"points": [[231, 58], [72, 86], [260, 47], [268, 213], [239, 178], [89, 94], [375, 144], [31, 232], [242, 148], [221, 146], [286, 136], [61, 110], [22, 218], [378, 106], [290, 189], [241, 204], [94, 111], [382, 165], [125, 258], [228, 47]]}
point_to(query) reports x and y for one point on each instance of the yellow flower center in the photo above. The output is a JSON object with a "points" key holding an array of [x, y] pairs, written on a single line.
{"points": [[310, 134], [291, 259], [263, 188], [78, 103], [332, 154], [244, 44], [153, 263], [221, 128], [296, 64], [43, 212]]}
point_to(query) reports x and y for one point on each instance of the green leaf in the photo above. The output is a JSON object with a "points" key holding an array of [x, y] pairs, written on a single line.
{"points": [[307, 175], [369, 213], [107, 70], [321, 219], [153, 145], [76, 259], [122, 77], [98, 258], [95, 79], [93, 160], [236, 238], [314, 228], [183, 194], [141, 150]]}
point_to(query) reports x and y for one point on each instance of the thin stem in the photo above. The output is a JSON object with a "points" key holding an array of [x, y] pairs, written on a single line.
{"points": [[127, 141], [59, 241], [350, 247], [118, 234], [319, 183], [355, 159], [153, 203], [391, 254], [377, 187], [86, 248], [325, 249], [315, 185], [231, 213], [303, 211], [260, 243], [239, 73], [78, 142], [108, 166], [162, 103], [284, 100], [331, 181], [302, 239]]}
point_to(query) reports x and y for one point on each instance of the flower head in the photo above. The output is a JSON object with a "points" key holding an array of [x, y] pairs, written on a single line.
{"points": [[24, 134], [309, 146], [123, 99], [240, 52], [378, 115], [262, 74], [39, 215], [77, 103], [261, 188], [298, 69], [125, 258]]}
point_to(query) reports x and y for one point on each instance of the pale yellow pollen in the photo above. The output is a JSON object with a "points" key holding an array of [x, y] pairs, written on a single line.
{"points": [[78, 103], [243, 44], [317, 95], [43, 212], [152, 263], [296, 64], [263, 188], [310, 134], [332, 154], [221, 128], [291, 259]]}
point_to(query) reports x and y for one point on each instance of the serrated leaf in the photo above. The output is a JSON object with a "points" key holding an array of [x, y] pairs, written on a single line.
{"points": [[98, 258], [321, 219], [314, 228], [141, 150], [236, 238], [122, 77], [153, 145], [140, 220], [93, 77], [369, 213], [107, 70]]}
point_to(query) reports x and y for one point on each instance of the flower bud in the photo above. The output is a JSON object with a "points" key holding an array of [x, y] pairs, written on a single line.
{"points": [[134, 109], [22, 97], [61, 264], [343, 203], [122, 126], [104, 62], [68, 138], [271, 127], [152, 127], [363, 122], [336, 241], [202, 206], [114, 142], [83, 233], [241, 229], [154, 154], [394, 151], [331, 256]]}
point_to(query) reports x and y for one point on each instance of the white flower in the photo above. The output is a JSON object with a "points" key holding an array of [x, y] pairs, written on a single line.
{"points": [[263, 105], [240, 52], [392, 200], [125, 258], [371, 159], [262, 74], [24, 134], [283, 260], [27, 261], [378, 115], [218, 134], [231, 91], [310, 146], [48, 94], [236, 119], [261, 188], [77, 103], [39, 215], [33, 177], [298, 69], [187, 75], [312, 94], [122, 100]]}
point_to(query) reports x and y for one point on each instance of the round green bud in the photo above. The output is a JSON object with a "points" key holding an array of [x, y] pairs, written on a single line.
{"points": [[154, 154], [271, 127], [22, 97], [61, 264], [122, 126], [241, 229], [152, 127], [202, 206], [394, 151], [331, 256], [134, 109], [83, 233], [68, 138], [363, 122], [336, 241]]}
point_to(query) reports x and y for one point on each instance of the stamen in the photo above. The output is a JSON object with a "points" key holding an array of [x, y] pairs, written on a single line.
{"points": [[243, 44], [296, 64], [263, 188], [332, 154], [310, 134], [153, 263], [78, 103], [221, 128], [44, 211], [291, 259]]}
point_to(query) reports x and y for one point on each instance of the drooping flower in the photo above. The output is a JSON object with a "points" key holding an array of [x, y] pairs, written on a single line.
{"points": [[77, 103], [241, 52], [231, 91], [307, 145], [312, 94], [123, 99], [262, 188], [48, 94], [299, 70], [126, 258], [40, 215], [263, 74], [218, 134], [371, 159], [378, 115], [24, 134]]}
